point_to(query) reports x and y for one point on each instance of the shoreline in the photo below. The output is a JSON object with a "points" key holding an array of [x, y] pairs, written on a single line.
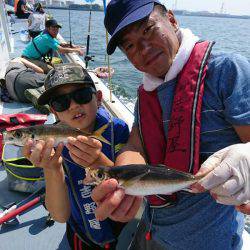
{"points": [[176, 12]]}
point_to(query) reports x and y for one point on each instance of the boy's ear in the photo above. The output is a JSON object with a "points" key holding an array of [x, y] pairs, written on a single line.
{"points": [[53, 111], [99, 97]]}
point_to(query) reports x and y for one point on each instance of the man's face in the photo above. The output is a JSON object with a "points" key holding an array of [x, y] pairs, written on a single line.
{"points": [[151, 44], [53, 31]]}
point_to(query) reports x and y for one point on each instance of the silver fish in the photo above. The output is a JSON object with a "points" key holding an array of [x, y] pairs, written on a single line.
{"points": [[141, 180], [60, 133]]}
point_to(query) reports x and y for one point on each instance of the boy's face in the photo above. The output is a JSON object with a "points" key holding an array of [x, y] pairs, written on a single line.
{"points": [[81, 116]]}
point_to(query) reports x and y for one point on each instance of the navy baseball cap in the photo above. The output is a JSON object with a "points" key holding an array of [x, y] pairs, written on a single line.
{"points": [[121, 13]]}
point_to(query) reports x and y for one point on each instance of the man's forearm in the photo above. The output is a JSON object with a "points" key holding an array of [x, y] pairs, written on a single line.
{"points": [[129, 155], [68, 50]]}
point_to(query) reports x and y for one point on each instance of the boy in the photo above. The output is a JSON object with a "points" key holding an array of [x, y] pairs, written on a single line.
{"points": [[73, 98]]}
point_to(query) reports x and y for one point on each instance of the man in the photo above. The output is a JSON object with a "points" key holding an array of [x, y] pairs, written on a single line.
{"points": [[193, 104], [43, 46]]}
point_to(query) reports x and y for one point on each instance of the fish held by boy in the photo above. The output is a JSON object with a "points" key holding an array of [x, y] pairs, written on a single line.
{"points": [[60, 133], [141, 180]]}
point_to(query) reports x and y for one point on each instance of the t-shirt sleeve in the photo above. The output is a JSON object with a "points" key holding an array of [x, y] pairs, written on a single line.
{"points": [[235, 90], [121, 132]]}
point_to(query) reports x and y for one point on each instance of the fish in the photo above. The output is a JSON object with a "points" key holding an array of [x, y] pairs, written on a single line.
{"points": [[142, 180], [60, 133]]}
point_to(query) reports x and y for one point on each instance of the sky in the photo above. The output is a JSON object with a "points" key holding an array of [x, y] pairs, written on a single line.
{"points": [[236, 7]]}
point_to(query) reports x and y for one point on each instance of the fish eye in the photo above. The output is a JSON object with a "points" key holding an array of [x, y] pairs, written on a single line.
{"points": [[18, 134], [100, 175]]}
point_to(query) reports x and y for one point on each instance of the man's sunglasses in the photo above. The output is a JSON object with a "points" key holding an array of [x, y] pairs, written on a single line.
{"points": [[80, 96]]}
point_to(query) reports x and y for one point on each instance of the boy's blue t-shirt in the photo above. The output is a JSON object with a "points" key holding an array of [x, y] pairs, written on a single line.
{"points": [[77, 174], [198, 222], [44, 43]]}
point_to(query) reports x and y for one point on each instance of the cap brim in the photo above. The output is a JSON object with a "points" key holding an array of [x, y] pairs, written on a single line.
{"points": [[135, 16], [45, 97]]}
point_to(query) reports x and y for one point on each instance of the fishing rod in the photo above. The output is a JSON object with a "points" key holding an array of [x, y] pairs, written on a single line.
{"points": [[87, 57], [23, 205], [70, 41], [108, 59], [13, 213]]}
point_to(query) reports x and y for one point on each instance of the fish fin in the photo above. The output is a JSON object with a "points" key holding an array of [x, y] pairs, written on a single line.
{"points": [[98, 134], [131, 181]]}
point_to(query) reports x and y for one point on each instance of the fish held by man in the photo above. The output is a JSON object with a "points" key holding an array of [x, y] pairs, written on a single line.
{"points": [[60, 133], [141, 180]]}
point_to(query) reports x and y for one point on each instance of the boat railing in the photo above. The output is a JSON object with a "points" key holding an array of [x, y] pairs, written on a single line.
{"points": [[110, 101]]}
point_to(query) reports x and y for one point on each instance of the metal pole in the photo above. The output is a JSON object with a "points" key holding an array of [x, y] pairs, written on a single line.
{"points": [[5, 25]]}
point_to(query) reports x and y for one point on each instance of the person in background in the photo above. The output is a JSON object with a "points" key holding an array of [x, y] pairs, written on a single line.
{"points": [[197, 103], [22, 11], [73, 98], [20, 75], [40, 50], [36, 21]]}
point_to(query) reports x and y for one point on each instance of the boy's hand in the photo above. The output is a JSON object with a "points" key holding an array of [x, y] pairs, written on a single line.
{"points": [[42, 154], [84, 150]]}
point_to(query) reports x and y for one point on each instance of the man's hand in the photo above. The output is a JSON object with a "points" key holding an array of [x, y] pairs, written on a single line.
{"points": [[80, 51], [227, 175], [112, 202]]}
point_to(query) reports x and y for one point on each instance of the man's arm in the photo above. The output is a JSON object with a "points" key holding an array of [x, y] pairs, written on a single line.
{"points": [[31, 65], [64, 50], [111, 200], [243, 132], [132, 152]]}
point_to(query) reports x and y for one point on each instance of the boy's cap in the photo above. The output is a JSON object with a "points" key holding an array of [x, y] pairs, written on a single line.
{"points": [[62, 75], [121, 13], [52, 23]]}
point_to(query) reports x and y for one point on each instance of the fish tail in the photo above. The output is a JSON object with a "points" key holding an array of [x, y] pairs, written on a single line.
{"points": [[98, 134]]}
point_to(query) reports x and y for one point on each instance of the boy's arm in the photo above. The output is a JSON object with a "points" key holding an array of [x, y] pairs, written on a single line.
{"points": [[43, 155]]}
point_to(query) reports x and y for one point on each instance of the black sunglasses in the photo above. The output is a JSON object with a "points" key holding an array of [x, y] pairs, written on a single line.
{"points": [[80, 96]]}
